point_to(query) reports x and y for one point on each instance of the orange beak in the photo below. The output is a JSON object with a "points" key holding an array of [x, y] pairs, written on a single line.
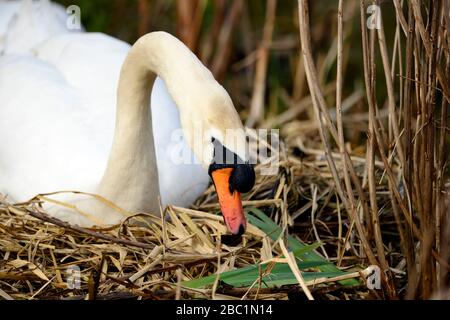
{"points": [[230, 202]]}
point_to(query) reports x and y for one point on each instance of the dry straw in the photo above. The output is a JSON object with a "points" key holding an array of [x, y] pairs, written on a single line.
{"points": [[150, 257]]}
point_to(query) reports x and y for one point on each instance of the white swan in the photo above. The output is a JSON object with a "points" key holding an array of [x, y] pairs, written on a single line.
{"points": [[57, 126]]}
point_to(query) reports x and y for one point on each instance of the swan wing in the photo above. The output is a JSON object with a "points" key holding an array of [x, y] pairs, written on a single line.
{"points": [[48, 141]]}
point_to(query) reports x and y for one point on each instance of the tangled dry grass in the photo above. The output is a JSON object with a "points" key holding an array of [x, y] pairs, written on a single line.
{"points": [[130, 260], [148, 257]]}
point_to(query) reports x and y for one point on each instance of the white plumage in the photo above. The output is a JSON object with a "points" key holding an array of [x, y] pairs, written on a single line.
{"points": [[57, 111]]}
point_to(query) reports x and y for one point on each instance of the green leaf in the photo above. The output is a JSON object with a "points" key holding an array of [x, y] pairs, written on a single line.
{"points": [[307, 248], [305, 253], [281, 273]]}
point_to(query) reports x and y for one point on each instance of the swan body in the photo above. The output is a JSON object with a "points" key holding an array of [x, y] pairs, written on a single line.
{"points": [[62, 130], [55, 82]]}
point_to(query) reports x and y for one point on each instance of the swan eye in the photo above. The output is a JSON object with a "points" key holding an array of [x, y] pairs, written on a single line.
{"points": [[242, 178]]}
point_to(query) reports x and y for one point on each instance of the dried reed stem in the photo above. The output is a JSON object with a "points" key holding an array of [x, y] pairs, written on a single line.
{"points": [[259, 85]]}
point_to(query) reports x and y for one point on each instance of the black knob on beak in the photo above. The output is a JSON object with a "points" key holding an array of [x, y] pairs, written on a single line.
{"points": [[243, 178]]}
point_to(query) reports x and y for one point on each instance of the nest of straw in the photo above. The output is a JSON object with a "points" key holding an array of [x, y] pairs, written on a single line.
{"points": [[150, 257], [145, 259]]}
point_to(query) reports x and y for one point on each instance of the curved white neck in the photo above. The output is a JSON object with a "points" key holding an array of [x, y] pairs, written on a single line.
{"points": [[131, 178]]}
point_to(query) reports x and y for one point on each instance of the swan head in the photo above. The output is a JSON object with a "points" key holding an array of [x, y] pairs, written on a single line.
{"points": [[231, 178], [217, 137]]}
